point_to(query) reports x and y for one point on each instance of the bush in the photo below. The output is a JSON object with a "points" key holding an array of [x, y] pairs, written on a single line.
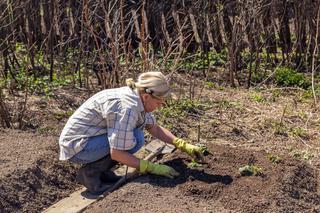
{"points": [[285, 76]]}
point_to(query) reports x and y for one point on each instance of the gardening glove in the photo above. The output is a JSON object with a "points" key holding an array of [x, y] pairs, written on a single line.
{"points": [[196, 152], [157, 169]]}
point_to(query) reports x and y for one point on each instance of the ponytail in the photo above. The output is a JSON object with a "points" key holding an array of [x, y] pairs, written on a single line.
{"points": [[130, 83]]}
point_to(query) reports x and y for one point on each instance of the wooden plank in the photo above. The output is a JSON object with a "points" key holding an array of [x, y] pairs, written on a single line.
{"points": [[74, 203]]}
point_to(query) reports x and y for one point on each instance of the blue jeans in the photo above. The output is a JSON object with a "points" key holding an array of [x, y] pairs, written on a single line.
{"points": [[98, 147]]}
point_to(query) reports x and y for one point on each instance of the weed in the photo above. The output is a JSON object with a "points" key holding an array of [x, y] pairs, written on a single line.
{"points": [[296, 154], [307, 155], [193, 164], [209, 85], [302, 133], [285, 76], [258, 77], [308, 94], [304, 154], [62, 115], [45, 130], [249, 170], [257, 98], [214, 122], [303, 115], [280, 129], [224, 104], [275, 95], [274, 158]]}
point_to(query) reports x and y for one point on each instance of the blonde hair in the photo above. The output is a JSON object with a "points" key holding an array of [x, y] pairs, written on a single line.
{"points": [[154, 83], [130, 83]]}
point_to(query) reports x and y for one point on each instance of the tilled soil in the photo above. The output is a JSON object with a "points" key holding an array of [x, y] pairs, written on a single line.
{"points": [[31, 176], [287, 186], [32, 179]]}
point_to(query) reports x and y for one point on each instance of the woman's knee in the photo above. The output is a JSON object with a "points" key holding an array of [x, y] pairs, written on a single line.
{"points": [[96, 148]]}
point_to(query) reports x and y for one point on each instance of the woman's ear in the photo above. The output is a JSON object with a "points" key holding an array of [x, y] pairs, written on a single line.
{"points": [[145, 97]]}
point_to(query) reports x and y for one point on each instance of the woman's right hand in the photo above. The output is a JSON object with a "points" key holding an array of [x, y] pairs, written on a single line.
{"points": [[157, 169]]}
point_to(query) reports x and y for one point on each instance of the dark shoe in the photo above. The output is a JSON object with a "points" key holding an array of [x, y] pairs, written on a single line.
{"points": [[102, 188], [89, 175], [109, 177]]}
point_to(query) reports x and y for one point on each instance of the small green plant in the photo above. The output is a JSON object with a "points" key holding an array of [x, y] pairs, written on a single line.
{"points": [[193, 164], [257, 98], [217, 59], [249, 170], [45, 130], [214, 122], [204, 150], [275, 95], [274, 158], [280, 129], [296, 154], [258, 77], [62, 115], [308, 94], [224, 104], [209, 85], [304, 154], [285, 76], [298, 131], [307, 155]]}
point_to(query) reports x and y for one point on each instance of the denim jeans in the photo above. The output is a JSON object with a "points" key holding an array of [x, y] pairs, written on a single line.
{"points": [[98, 147]]}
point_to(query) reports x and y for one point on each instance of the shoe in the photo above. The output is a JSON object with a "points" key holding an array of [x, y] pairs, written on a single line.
{"points": [[89, 175], [109, 177]]}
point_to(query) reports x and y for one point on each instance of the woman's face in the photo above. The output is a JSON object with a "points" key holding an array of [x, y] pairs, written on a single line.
{"points": [[151, 103]]}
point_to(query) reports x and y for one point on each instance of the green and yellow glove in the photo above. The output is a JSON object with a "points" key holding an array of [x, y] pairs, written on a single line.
{"points": [[196, 152], [157, 169]]}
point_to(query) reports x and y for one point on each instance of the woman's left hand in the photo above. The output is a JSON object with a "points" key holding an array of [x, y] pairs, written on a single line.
{"points": [[196, 152]]}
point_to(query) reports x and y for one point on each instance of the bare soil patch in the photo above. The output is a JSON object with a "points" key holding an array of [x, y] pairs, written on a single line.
{"points": [[31, 176]]}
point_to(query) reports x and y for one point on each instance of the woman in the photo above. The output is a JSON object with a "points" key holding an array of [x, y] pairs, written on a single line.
{"points": [[108, 128]]}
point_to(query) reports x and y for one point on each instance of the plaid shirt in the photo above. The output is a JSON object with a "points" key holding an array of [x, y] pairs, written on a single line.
{"points": [[115, 112]]}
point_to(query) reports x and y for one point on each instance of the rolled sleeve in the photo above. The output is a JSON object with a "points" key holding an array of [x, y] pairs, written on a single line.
{"points": [[120, 134], [150, 119]]}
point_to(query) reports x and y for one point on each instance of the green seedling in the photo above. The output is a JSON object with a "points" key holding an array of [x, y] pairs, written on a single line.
{"points": [[304, 154], [249, 170], [205, 151], [209, 85], [257, 98], [193, 164], [307, 155], [274, 158]]}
